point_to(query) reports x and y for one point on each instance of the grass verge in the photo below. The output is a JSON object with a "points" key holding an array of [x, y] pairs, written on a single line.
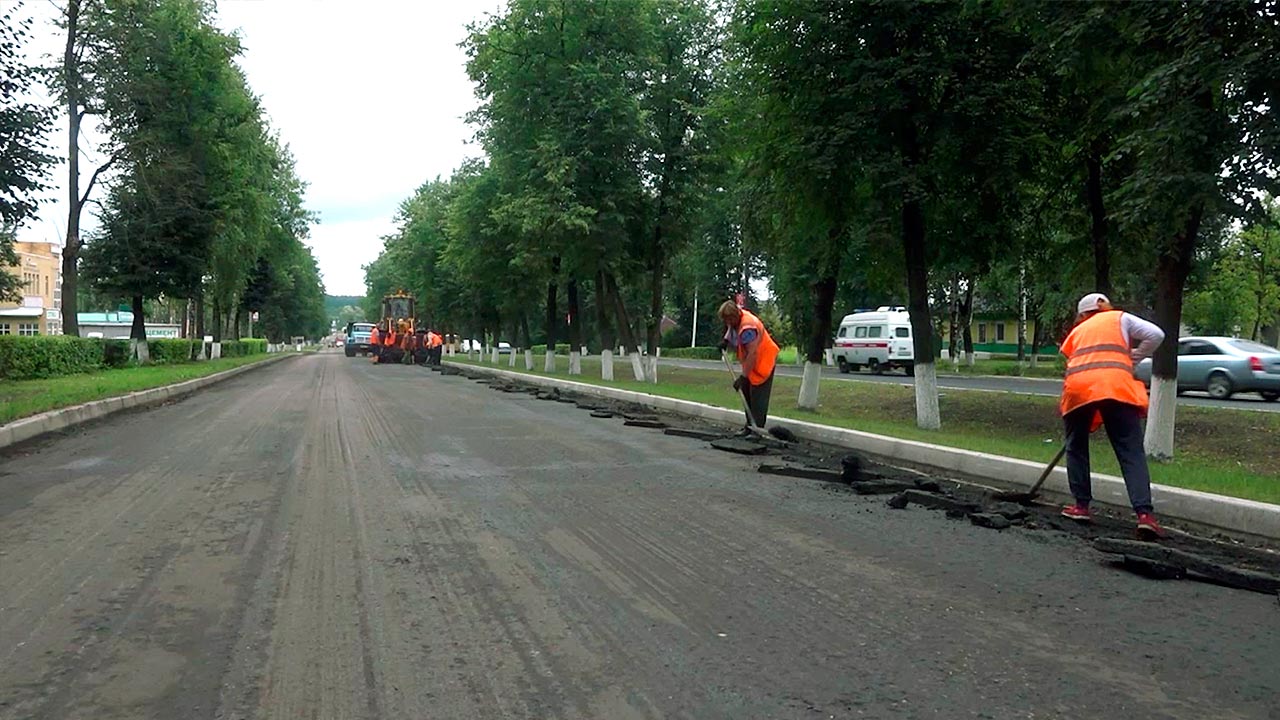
{"points": [[1229, 452], [21, 398]]}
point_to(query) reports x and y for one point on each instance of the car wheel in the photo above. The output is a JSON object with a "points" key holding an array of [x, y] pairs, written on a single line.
{"points": [[844, 366], [874, 366], [910, 370], [1219, 386], [1270, 395], [350, 353]]}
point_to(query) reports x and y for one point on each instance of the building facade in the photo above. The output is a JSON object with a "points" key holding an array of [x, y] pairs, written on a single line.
{"points": [[117, 324], [39, 270]]}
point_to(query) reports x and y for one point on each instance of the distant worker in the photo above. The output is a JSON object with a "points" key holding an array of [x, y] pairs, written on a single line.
{"points": [[1099, 389], [757, 353], [375, 342], [436, 343]]}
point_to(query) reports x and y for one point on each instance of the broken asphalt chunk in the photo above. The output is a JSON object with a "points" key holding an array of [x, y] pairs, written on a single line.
{"points": [[742, 447], [807, 473], [990, 520]]}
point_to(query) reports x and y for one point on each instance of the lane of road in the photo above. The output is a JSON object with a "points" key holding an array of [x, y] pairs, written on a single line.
{"points": [[989, 383], [324, 538]]}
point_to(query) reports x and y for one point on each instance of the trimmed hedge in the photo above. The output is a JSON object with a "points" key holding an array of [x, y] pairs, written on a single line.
{"points": [[24, 358], [561, 349], [46, 356], [692, 353]]}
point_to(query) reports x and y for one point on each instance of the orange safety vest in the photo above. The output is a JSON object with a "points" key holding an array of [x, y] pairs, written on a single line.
{"points": [[766, 353], [1099, 366], [374, 335], [391, 339], [435, 340]]}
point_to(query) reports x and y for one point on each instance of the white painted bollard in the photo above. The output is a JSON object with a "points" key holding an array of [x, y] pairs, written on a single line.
{"points": [[215, 350], [831, 356]]}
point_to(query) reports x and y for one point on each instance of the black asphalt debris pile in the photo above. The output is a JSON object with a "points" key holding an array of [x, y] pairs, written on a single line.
{"points": [[1183, 556]]}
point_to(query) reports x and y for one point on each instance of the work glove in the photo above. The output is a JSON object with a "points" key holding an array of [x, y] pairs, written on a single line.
{"points": [[740, 382], [724, 345]]}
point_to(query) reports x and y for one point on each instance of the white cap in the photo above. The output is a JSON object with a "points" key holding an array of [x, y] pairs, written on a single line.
{"points": [[1090, 303]]}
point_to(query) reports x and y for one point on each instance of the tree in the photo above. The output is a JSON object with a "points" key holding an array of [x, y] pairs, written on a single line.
{"points": [[1204, 142], [24, 159], [199, 178]]}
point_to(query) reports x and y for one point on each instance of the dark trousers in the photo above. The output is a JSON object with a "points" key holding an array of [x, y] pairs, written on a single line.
{"points": [[1124, 430], [758, 400]]}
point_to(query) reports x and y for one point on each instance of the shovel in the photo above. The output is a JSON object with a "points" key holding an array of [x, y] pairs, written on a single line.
{"points": [[750, 421], [1025, 498]]}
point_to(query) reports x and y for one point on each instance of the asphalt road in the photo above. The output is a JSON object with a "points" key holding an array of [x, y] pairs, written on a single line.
{"points": [[324, 538], [991, 383]]}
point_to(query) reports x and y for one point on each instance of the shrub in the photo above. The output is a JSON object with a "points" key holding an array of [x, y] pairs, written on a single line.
{"points": [[167, 351], [114, 353], [24, 358], [561, 349], [254, 346], [692, 353]]}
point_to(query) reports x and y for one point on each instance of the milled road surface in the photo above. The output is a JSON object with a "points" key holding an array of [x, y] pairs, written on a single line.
{"points": [[991, 383], [324, 538]]}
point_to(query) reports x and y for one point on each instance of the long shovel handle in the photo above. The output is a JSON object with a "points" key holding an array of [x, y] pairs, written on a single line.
{"points": [[741, 396], [1047, 470]]}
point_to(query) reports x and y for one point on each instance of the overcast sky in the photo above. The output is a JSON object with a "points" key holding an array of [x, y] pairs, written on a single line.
{"points": [[369, 94]]}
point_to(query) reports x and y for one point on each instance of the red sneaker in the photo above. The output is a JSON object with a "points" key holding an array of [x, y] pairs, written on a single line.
{"points": [[1079, 513], [1147, 525]]}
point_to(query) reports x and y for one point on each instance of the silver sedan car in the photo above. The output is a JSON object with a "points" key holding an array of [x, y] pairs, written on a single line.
{"points": [[1222, 366]]}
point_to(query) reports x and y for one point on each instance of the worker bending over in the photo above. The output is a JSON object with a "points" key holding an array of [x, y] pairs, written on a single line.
{"points": [[757, 353], [1099, 389]]}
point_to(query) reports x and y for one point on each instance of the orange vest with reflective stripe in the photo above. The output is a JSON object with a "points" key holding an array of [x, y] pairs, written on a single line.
{"points": [[434, 340], [1099, 366], [766, 353], [374, 336]]}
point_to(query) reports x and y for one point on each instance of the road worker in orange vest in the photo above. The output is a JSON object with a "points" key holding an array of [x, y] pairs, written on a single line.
{"points": [[1099, 389], [437, 347], [375, 342], [757, 353]]}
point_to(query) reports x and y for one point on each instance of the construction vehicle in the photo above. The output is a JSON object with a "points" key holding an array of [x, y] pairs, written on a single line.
{"points": [[397, 315]]}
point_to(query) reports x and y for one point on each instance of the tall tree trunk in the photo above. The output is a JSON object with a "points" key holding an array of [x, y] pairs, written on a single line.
{"points": [[552, 312], [71, 248], [239, 319], [1098, 222], [1022, 313], [138, 332], [625, 328], [953, 327], [653, 329], [608, 341], [928, 416], [1172, 269], [217, 320], [966, 318], [823, 298], [528, 341], [575, 327], [1037, 335]]}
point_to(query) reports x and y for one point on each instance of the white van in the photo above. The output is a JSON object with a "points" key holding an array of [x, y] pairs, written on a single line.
{"points": [[880, 340]]}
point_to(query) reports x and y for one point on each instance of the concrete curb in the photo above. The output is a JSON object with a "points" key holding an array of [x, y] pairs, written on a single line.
{"points": [[1225, 513], [27, 428]]}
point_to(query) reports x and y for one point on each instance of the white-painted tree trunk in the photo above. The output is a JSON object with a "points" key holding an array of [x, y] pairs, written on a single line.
{"points": [[549, 363], [928, 417], [969, 359], [1035, 358], [511, 361], [1160, 418], [204, 352], [494, 350], [830, 357], [606, 365], [809, 386], [584, 352], [575, 362], [637, 366], [651, 370], [140, 351], [215, 350], [528, 360]]}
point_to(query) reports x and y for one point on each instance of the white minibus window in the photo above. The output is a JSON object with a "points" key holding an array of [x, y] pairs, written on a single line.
{"points": [[875, 331], [860, 331], [902, 332]]}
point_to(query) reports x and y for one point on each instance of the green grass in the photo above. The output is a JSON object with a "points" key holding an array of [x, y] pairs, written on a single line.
{"points": [[1047, 367], [1229, 452], [21, 398]]}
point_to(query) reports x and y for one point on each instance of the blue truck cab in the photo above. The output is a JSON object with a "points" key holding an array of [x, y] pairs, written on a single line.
{"points": [[358, 338]]}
